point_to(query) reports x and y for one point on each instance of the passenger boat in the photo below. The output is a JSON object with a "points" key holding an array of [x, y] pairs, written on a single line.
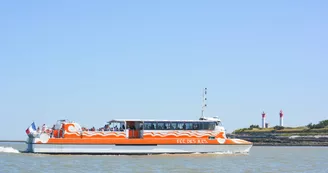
{"points": [[140, 137], [136, 136]]}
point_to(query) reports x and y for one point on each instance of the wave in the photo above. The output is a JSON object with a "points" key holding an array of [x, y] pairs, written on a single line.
{"points": [[8, 150]]}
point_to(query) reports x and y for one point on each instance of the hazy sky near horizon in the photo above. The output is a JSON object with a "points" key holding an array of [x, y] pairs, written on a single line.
{"points": [[95, 61]]}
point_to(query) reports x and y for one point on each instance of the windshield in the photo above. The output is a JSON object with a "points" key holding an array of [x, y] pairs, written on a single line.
{"points": [[219, 123]]}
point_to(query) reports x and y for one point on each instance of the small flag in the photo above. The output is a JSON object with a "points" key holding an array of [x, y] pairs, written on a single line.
{"points": [[31, 129]]}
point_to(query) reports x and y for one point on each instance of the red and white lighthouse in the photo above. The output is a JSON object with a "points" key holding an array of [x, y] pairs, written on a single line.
{"points": [[281, 114], [263, 120]]}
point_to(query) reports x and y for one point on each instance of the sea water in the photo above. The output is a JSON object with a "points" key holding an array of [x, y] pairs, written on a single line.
{"points": [[260, 159]]}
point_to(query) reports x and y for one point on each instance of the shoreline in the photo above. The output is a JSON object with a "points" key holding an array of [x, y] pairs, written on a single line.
{"points": [[288, 145], [276, 140]]}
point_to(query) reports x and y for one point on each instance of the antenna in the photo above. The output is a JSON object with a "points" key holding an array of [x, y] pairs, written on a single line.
{"points": [[204, 102]]}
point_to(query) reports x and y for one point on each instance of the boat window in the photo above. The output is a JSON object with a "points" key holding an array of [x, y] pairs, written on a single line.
{"points": [[116, 126], [205, 125], [181, 126], [160, 126], [173, 126], [167, 126], [189, 126], [211, 126], [146, 126], [200, 126], [196, 126], [122, 126], [153, 126], [149, 125]]}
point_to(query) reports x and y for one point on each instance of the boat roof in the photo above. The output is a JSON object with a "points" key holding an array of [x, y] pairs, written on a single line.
{"points": [[153, 120]]}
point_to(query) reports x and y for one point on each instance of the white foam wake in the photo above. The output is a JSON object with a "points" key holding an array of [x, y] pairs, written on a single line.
{"points": [[8, 150]]}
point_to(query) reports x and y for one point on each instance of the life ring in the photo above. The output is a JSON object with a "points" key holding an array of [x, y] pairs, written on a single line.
{"points": [[44, 137]]}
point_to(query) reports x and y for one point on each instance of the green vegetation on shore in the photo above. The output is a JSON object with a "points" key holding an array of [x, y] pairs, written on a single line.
{"points": [[310, 129]]}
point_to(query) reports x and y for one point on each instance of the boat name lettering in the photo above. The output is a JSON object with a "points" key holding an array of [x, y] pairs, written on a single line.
{"points": [[192, 141]]}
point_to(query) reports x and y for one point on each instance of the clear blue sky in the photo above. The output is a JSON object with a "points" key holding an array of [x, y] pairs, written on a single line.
{"points": [[94, 61]]}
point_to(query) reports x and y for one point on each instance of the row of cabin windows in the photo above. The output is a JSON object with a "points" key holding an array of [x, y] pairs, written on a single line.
{"points": [[179, 125]]}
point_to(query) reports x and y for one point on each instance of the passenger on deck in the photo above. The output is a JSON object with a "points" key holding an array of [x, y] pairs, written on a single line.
{"points": [[106, 127], [43, 128], [115, 128], [52, 131]]}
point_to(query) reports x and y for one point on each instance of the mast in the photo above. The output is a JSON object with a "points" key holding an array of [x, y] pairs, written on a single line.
{"points": [[204, 105]]}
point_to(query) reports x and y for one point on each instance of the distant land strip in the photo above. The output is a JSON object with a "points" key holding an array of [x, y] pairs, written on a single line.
{"points": [[275, 140], [12, 141]]}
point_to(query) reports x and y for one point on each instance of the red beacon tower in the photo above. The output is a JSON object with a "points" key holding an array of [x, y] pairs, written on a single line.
{"points": [[281, 114], [263, 120]]}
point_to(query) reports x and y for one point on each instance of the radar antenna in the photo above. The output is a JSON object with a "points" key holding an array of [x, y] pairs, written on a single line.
{"points": [[204, 102]]}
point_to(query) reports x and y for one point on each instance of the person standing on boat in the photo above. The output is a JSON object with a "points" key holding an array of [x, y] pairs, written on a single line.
{"points": [[184, 126], [106, 128], [44, 127], [52, 131], [122, 128]]}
